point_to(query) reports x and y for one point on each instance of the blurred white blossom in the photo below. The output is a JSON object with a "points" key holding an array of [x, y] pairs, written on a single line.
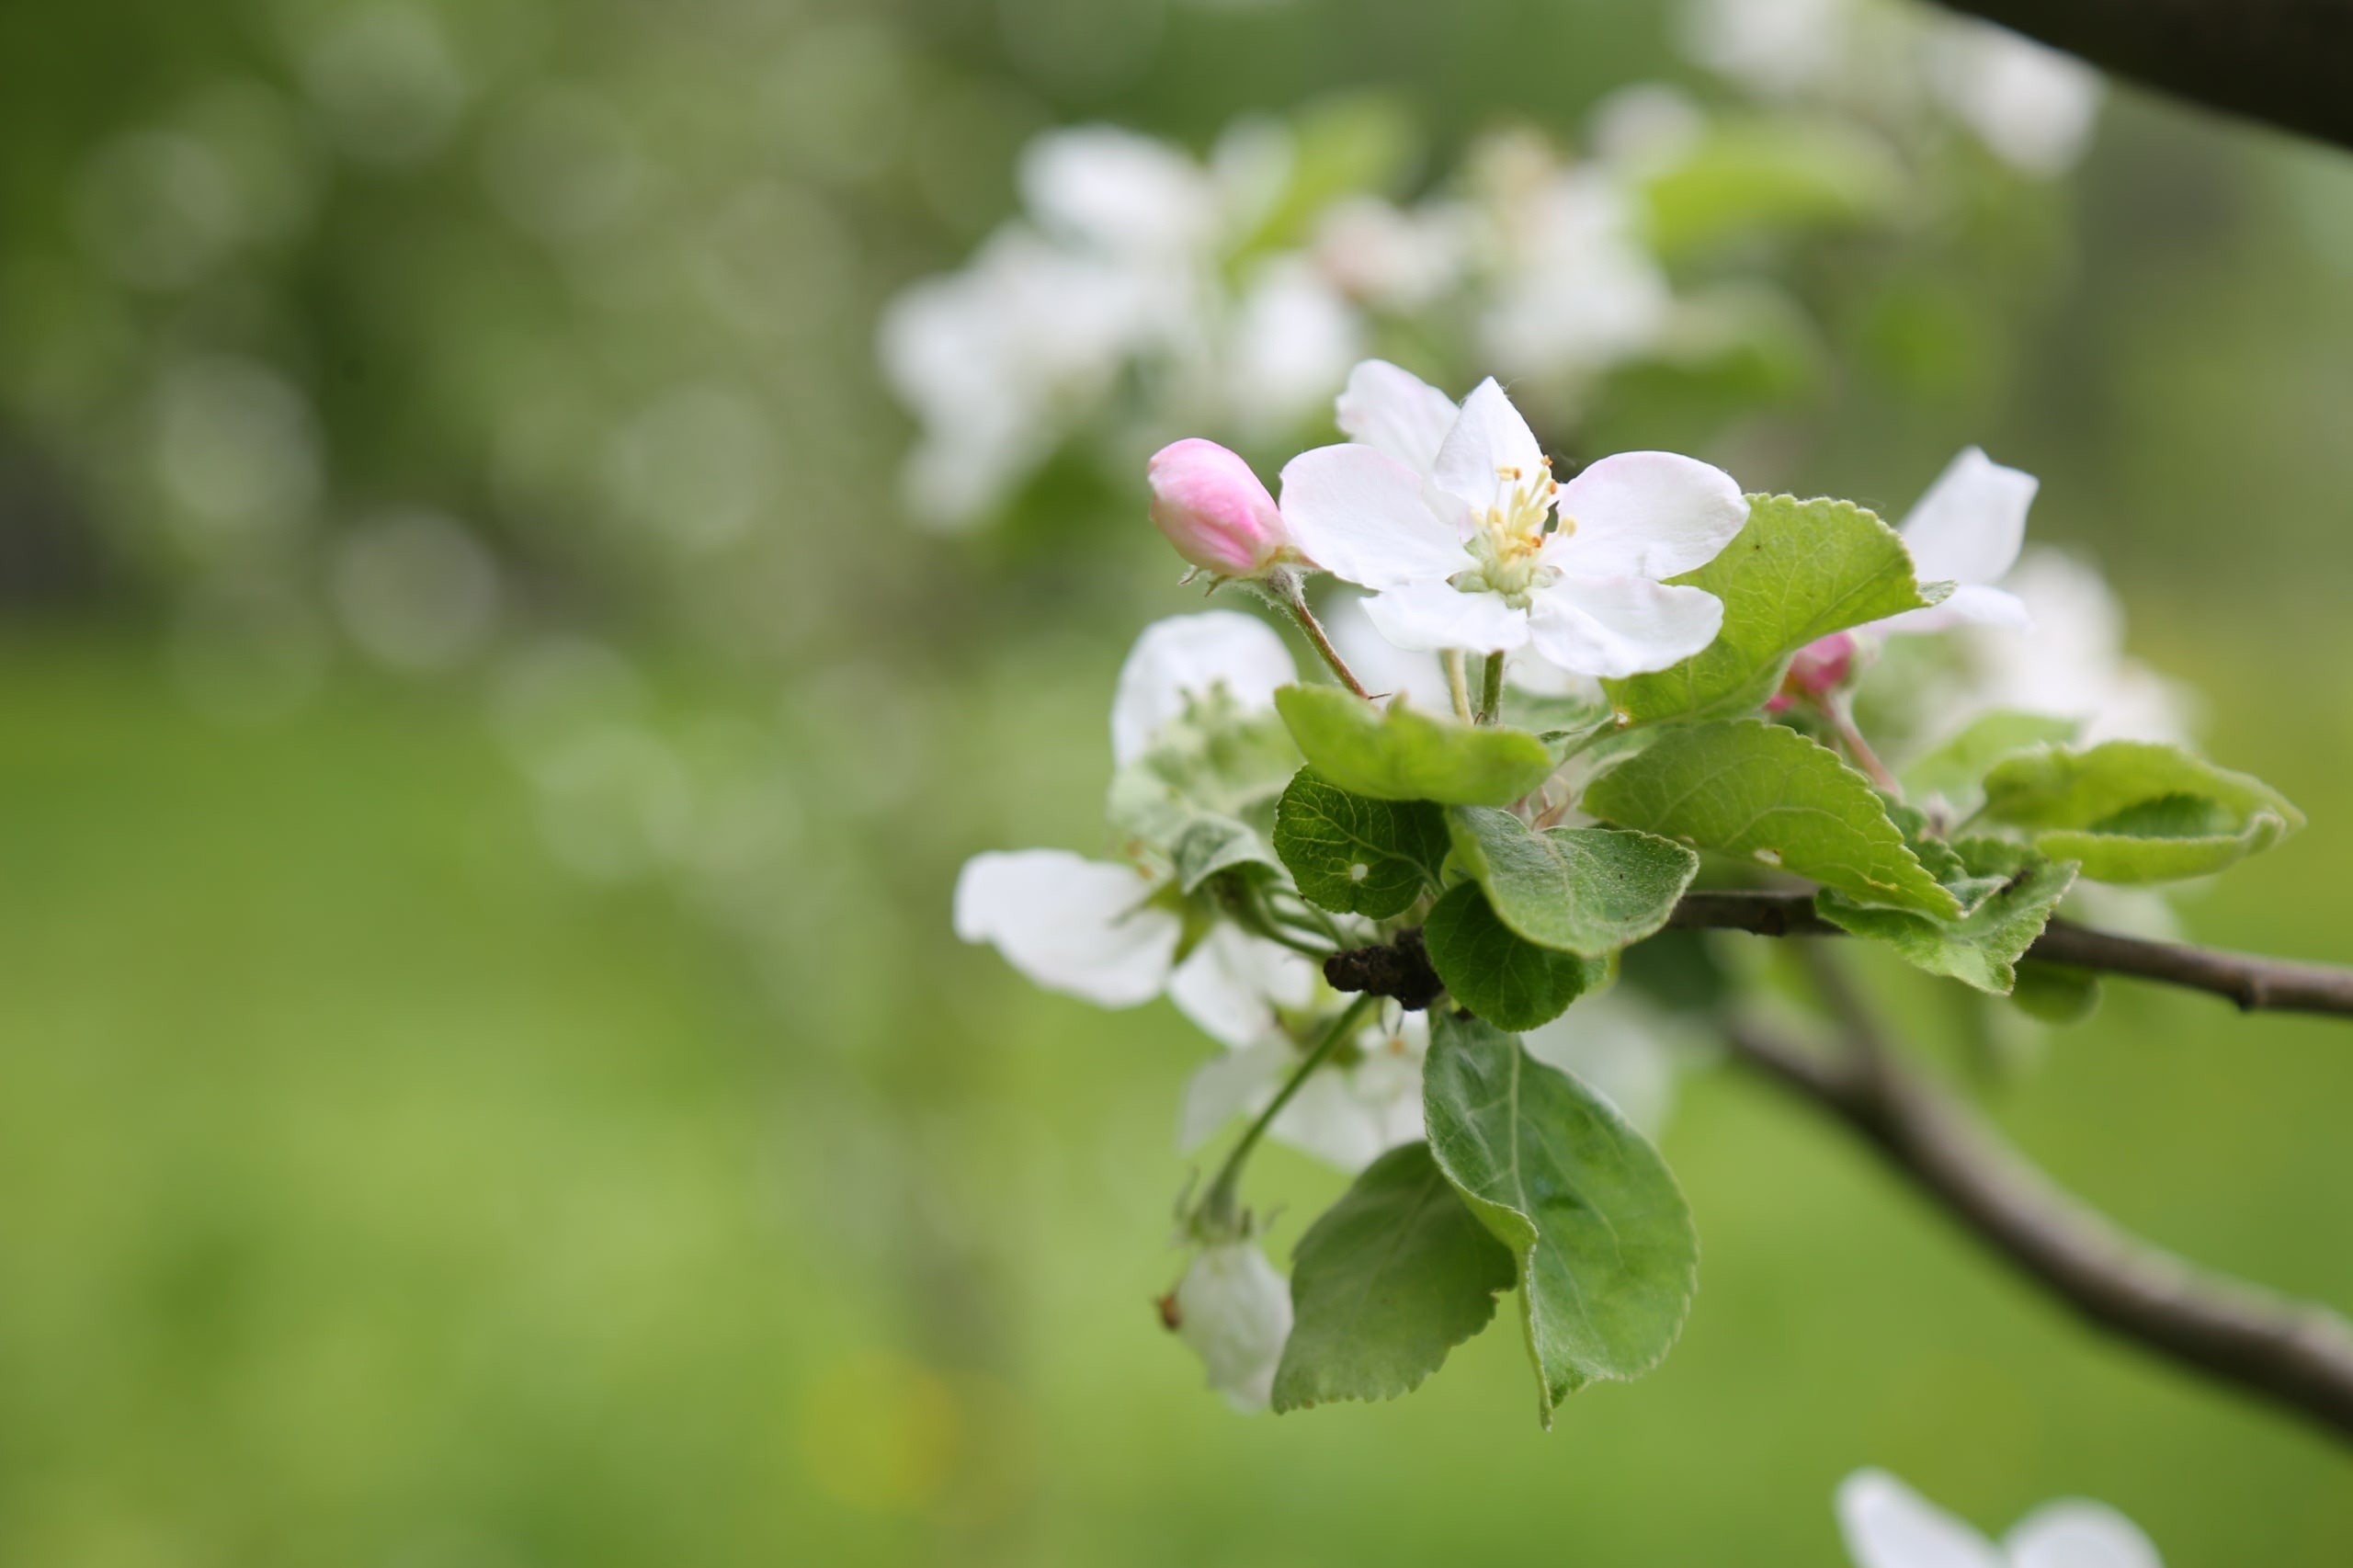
{"points": [[1887, 1525]]}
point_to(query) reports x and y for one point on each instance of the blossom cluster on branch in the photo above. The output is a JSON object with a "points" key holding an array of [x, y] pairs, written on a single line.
{"points": [[1428, 907]]}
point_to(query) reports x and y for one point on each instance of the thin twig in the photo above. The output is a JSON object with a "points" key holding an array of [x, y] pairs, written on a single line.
{"points": [[2297, 1354], [2255, 984]]}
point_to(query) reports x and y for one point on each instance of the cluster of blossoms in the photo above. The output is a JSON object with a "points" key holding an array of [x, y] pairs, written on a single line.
{"points": [[1143, 289], [1485, 580]]}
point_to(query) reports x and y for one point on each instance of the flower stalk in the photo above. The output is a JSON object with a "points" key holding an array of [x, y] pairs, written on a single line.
{"points": [[1218, 1214]]}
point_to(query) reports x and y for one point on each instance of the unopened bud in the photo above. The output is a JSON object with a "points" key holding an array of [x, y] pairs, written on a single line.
{"points": [[1234, 1309], [1212, 508], [1821, 667]]}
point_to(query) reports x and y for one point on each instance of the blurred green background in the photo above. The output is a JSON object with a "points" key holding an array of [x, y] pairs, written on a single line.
{"points": [[495, 1086]]}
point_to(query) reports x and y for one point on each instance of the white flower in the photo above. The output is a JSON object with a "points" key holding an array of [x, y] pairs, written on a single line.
{"points": [[1233, 1311], [1291, 341], [1576, 294], [1393, 258], [1108, 932], [1967, 530], [1887, 1525], [2070, 660], [1778, 48], [1346, 1115], [2032, 107], [1455, 535]]}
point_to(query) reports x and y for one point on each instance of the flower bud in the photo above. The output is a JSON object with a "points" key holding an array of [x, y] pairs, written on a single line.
{"points": [[1214, 510], [1233, 1311], [1821, 667]]}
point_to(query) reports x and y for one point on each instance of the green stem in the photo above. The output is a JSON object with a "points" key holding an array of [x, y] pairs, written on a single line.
{"points": [[1492, 698], [1458, 685], [1284, 589], [1217, 1207]]}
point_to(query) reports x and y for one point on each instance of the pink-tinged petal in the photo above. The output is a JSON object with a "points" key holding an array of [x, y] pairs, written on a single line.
{"points": [[1822, 666], [1425, 617], [1972, 604], [1359, 516], [1212, 508], [1969, 525], [2073, 1533], [1615, 627], [1231, 984], [1071, 925], [1489, 440], [1396, 413], [1187, 656], [1651, 515], [1887, 1525]]}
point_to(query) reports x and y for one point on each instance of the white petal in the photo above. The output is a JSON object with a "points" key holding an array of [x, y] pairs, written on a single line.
{"points": [[1489, 438], [1615, 626], [2073, 1533], [1235, 1312], [1647, 515], [1228, 1085], [1972, 604], [1188, 656], [1361, 516], [1887, 1525], [1396, 413], [1969, 526], [1332, 1120], [1230, 984], [1426, 616], [1291, 340], [1385, 668], [1070, 924], [1120, 190]]}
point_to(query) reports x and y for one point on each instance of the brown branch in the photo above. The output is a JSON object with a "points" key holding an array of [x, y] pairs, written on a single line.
{"points": [[2287, 62], [2296, 1353], [2255, 984]]}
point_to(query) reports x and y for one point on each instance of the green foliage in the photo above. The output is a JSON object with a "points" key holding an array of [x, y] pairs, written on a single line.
{"points": [[1581, 889], [1387, 1281], [2055, 993], [1355, 855], [1769, 174], [2138, 812], [1982, 947], [1799, 569], [1765, 793], [1399, 754], [1209, 844], [1498, 975], [1215, 762], [1955, 771], [1607, 1256]]}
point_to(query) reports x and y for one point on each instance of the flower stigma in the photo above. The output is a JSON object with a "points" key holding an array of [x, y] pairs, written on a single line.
{"points": [[1507, 539]]}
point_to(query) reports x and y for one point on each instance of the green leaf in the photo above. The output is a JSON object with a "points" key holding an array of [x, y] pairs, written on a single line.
{"points": [[1982, 948], [2138, 812], [1955, 771], [1385, 1282], [1797, 571], [1765, 793], [2056, 993], [1209, 844], [1607, 1256], [1399, 754], [1502, 977], [1582, 889], [1355, 855]]}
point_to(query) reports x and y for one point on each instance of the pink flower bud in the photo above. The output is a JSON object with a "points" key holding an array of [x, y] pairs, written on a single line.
{"points": [[1820, 668], [1214, 510]]}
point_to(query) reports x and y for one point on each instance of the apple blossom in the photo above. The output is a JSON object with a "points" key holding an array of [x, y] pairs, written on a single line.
{"points": [[1113, 932], [1458, 538], [1887, 1525], [1233, 1311], [1967, 530], [1214, 510]]}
